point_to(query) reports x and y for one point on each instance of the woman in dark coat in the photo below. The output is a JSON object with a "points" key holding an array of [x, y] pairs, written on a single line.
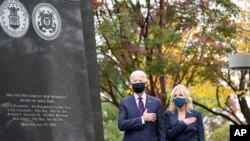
{"points": [[182, 122]]}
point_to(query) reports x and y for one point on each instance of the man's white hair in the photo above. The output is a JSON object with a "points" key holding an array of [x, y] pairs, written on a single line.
{"points": [[138, 73]]}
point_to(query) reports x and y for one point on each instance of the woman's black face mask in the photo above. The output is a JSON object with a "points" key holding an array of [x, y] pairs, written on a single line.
{"points": [[138, 87]]}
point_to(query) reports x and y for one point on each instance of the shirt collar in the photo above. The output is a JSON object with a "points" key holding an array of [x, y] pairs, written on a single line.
{"points": [[143, 96]]}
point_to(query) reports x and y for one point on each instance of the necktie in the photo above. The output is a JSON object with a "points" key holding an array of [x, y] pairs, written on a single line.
{"points": [[140, 106]]}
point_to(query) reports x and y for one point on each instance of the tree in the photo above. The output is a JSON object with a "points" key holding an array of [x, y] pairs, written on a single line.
{"points": [[110, 123], [232, 105], [173, 41]]}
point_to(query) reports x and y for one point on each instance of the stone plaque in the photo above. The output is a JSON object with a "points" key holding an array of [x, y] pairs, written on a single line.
{"points": [[45, 92]]}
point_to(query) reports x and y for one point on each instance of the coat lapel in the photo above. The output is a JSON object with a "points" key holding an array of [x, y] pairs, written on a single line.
{"points": [[134, 106], [189, 114], [148, 103], [174, 117]]}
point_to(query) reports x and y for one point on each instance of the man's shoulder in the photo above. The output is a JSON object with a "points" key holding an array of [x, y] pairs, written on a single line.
{"points": [[153, 98], [127, 98]]}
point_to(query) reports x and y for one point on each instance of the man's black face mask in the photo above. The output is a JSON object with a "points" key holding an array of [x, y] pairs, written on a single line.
{"points": [[138, 87]]}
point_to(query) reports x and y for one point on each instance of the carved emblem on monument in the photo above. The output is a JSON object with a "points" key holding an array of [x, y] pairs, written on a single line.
{"points": [[46, 21], [14, 18]]}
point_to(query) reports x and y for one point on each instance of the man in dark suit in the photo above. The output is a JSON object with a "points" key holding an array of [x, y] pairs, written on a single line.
{"points": [[141, 115]]}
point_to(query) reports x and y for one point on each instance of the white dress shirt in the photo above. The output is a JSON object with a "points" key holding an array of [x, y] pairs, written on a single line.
{"points": [[144, 103]]}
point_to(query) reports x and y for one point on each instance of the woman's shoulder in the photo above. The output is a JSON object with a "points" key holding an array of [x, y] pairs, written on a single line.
{"points": [[195, 112], [167, 112]]}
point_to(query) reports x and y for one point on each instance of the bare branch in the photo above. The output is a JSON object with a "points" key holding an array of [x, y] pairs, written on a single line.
{"points": [[216, 113]]}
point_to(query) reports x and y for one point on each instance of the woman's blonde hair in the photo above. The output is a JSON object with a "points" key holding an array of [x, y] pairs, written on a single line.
{"points": [[188, 99]]}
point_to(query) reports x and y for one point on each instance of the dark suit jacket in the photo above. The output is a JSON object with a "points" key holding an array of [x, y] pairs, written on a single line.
{"points": [[178, 131], [130, 121]]}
